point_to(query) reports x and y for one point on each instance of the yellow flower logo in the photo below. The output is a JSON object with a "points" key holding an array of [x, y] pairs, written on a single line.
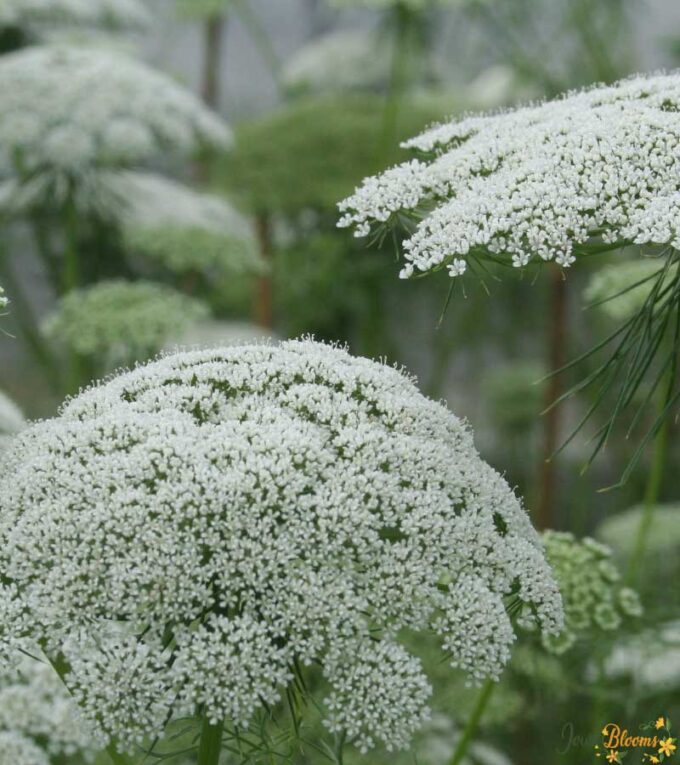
{"points": [[660, 723], [613, 756], [667, 747]]}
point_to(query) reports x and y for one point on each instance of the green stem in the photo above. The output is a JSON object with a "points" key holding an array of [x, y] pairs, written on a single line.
{"points": [[651, 498], [473, 723], [210, 743]]}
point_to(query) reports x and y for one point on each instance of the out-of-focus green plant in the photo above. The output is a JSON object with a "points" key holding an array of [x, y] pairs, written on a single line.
{"points": [[620, 290], [118, 323], [323, 286], [309, 154], [515, 393], [344, 60]]}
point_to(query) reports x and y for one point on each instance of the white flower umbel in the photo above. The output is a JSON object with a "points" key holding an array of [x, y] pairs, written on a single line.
{"points": [[118, 322], [183, 229], [38, 17], [591, 588], [189, 532], [69, 110], [598, 167], [36, 710]]}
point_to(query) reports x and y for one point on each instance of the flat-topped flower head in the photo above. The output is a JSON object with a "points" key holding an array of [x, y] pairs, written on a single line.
{"points": [[601, 166], [68, 111], [208, 525], [40, 17], [182, 229]]}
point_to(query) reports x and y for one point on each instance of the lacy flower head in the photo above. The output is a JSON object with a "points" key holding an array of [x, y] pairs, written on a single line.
{"points": [[118, 322], [69, 110], [210, 527], [182, 229], [39, 17], [38, 719], [590, 583], [598, 168]]}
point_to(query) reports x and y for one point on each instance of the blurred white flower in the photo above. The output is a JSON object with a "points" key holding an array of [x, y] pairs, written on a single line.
{"points": [[183, 229], [67, 111], [265, 507], [601, 165], [36, 712], [342, 60], [11, 417], [651, 660], [40, 17]]}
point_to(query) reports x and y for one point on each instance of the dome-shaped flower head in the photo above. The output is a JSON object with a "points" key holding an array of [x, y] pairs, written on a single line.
{"points": [[193, 534], [38, 17], [182, 229], [600, 166], [117, 322], [67, 111]]}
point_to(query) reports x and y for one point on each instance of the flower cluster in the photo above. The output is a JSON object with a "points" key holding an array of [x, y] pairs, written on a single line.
{"points": [[38, 16], [183, 229], [68, 110], [590, 585], [38, 719], [118, 322], [619, 290], [192, 533], [599, 166], [3, 299]]}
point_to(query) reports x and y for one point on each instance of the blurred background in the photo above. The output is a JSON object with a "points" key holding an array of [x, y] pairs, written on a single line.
{"points": [[169, 174]]}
